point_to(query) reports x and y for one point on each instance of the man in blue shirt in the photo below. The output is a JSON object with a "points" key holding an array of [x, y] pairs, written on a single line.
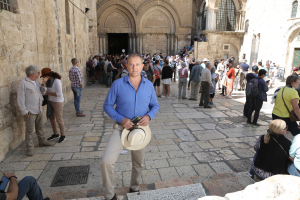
{"points": [[195, 80], [133, 96], [245, 68], [257, 102]]}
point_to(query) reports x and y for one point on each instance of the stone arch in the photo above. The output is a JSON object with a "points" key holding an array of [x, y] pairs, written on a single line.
{"points": [[116, 19], [163, 21], [291, 45], [169, 9], [238, 4]]}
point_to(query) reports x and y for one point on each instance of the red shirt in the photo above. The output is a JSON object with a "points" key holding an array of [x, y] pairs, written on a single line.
{"points": [[231, 73]]}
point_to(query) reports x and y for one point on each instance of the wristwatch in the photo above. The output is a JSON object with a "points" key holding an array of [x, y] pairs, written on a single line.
{"points": [[13, 177]]}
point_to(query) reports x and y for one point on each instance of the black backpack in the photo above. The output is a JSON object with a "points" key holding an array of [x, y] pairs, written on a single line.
{"points": [[109, 68], [252, 88]]}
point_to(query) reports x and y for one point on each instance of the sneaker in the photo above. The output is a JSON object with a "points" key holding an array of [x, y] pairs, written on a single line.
{"points": [[207, 107], [53, 137], [212, 103], [162, 96], [184, 98], [62, 138], [256, 125], [249, 123], [159, 96], [80, 115], [132, 191]]}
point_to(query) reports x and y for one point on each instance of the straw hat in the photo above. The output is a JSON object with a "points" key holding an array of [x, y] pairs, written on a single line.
{"points": [[137, 138]]}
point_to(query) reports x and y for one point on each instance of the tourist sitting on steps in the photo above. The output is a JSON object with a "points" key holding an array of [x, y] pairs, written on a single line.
{"points": [[272, 149], [294, 166], [27, 186]]}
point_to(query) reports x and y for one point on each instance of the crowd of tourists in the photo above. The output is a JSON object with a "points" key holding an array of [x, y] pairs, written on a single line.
{"points": [[275, 153]]}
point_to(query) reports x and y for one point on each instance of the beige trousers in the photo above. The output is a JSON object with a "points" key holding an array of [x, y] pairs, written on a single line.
{"points": [[194, 89], [34, 121], [112, 150], [58, 111]]}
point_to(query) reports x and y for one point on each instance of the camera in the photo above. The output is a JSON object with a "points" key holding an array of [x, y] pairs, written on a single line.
{"points": [[4, 183]]}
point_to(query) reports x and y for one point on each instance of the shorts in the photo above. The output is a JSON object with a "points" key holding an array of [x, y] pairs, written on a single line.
{"points": [[166, 81], [212, 95], [157, 82]]}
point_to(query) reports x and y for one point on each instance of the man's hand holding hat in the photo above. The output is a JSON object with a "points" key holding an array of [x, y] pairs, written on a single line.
{"points": [[144, 120]]}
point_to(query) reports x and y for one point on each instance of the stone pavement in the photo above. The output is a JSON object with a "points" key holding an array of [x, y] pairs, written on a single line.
{"points": [[189, 145]]}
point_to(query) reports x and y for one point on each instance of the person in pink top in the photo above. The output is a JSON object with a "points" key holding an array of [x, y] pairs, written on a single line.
{"points": [[183, 75]]}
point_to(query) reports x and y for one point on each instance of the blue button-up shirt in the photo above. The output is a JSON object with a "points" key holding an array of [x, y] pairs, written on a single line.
{"points": [[129, 102]]}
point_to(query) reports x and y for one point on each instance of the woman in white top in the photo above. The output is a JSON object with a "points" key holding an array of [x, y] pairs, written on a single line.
{"points": [[56, 98]]}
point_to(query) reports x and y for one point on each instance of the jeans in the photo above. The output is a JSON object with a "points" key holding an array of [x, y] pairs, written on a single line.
{"points": [[103, 78], [77, 98], [28, 186], [292, 170], [247, 106], [251, 172], [256, 105], [292, 126], [100, 77], [108, 79], [182, 85], [194, 89], [205, 89]]}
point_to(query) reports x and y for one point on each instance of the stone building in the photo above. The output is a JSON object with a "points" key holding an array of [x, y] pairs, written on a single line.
{"points": [[153, 26], [272, 33], [47, 33]]}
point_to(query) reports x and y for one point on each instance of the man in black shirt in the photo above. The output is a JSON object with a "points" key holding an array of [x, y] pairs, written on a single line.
{"points": [[191, 65]]}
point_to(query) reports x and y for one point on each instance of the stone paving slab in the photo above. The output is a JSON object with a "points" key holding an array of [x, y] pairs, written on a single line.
{"points": [[188, 142]]}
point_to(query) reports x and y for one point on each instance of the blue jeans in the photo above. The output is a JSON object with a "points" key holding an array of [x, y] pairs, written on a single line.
{"points": [[103, 78], [251, 172], [77, 98], [292, 170], [28, 186]]}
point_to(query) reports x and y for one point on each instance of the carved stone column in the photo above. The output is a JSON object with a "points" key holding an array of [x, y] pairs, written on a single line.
{"points": [[199, 22], [102, 43], [140, 44], [130, 43], [172, 44], [210, 18], [242, 20], [237, 13], [134, 43], [176, 42]]}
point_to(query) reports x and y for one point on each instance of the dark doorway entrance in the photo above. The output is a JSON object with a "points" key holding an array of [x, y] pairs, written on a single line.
{"points": [[117, 42]]}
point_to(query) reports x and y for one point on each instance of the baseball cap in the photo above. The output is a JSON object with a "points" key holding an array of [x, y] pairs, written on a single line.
{"points": [[295, 69]]}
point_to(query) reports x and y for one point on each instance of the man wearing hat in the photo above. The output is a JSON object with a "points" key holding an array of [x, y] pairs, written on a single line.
{"points": [[204, 63], [135, 99]]}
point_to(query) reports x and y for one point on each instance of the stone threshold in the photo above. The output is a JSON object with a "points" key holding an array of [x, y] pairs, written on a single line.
{"points": [[219, 184]]}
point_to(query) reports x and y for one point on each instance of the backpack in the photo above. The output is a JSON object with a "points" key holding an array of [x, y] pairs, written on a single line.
{"points": [[101, 66], [252, 88], [157, 76], [109, 68]]}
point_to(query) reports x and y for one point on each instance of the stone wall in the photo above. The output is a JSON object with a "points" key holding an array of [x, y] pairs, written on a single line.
{"points": [[270, 36], [36, 34], [156, 43]]}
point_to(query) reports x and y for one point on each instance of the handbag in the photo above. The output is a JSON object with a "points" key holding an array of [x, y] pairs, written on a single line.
{"points": [[224, 81], [293, 116]]}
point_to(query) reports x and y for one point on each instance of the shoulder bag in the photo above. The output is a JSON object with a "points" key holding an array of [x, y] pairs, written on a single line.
{"points": [[293, 116]]}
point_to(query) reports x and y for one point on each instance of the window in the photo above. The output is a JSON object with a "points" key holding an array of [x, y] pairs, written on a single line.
{"points": [[67, 10], [246, 26], [7, 5], [226, 47], [294, 9], [226, 17], [203, 20]]}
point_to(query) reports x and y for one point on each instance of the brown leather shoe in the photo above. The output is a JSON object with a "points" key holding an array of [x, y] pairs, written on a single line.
{"points": [[45, 143], [29, 152]]}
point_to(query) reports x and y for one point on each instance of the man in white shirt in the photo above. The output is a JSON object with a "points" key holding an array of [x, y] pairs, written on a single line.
{"points": [[220, 71], [205, 85]]}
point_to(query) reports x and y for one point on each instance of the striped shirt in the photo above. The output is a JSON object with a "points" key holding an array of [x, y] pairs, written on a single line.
{"points": [[75, 77]]}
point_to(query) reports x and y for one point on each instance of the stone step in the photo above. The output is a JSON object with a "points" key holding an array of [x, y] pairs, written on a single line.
{"points": [[219, 185]]}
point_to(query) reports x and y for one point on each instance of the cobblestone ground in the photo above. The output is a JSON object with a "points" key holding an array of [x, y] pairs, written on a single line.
{"points": [[189, 144]]}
